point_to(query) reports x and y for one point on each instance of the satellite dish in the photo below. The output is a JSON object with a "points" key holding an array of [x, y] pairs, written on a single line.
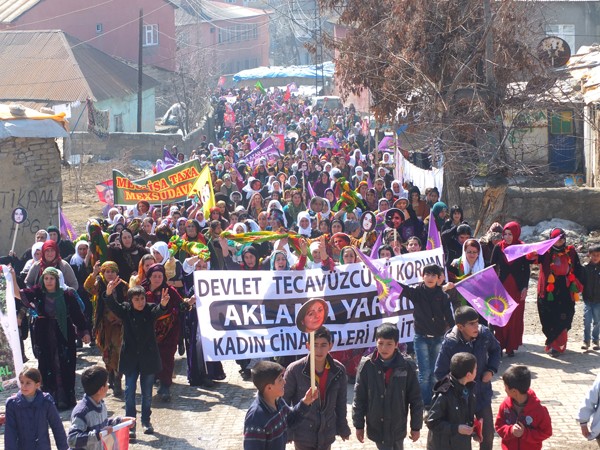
{"points": [[554, 51]]}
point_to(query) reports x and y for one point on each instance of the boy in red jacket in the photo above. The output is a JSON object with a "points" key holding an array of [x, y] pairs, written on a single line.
{"points": [[522, 421]]}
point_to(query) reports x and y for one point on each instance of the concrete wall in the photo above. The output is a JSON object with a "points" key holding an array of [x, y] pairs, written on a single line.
{"points": [[31, 170], [529, 206], [528, 138], [145, 146]]}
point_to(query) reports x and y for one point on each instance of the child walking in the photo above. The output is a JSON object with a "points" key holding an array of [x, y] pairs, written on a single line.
{"points": [[269, 416], [386, 388], [433, 317], [28, 415], [452, 414], [522, 420], [139, 357], [591, 300], [90, 417]]}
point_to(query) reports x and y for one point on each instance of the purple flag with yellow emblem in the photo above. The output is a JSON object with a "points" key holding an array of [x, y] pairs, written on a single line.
{"points": [[433, 235], [484, 292]]}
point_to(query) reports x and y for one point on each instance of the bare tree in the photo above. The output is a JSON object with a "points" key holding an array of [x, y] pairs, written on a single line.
{"points": [[441, 66]]}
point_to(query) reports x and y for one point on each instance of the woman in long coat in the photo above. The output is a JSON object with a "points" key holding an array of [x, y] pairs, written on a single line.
{"points": [[55, 314]]}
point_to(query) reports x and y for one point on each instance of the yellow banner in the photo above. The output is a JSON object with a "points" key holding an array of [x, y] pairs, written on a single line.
{"points": [[202, 191]]}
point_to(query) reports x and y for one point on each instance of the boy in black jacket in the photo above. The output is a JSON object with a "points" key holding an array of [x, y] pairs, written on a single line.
{"points": [[432, 318], [139, 351], [452, 414], [591, 300], [386, 388]]}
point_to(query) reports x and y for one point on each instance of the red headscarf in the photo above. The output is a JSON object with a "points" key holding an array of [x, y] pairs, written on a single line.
{"points": [[44, 262], [515, 229]]}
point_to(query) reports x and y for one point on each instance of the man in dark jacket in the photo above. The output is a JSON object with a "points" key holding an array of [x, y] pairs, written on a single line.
{"points": [[468, 336], [386, 387], [326, 417], [139, 353]]}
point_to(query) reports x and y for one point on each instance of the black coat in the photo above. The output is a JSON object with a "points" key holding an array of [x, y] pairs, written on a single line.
{"points": [[139, 350], [386, 407], [450, 408], [433, 312]]}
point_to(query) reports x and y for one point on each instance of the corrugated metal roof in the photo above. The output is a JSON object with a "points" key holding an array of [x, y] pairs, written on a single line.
{"points": [[39, 66], [11, 9], [191, 12]]}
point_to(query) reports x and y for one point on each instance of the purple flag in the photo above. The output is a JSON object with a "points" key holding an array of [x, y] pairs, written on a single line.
{"points": [[310, 190], [513, 252], [168, 158], [265, 149], [388, 289], [253, 144], [329, 142], [376, 245], [433, 235], [387, 144], [484, 291], [66, 229]]}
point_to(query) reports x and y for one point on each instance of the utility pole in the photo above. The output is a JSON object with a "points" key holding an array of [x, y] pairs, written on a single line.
{"points": [[489, 46], [140, 72]]}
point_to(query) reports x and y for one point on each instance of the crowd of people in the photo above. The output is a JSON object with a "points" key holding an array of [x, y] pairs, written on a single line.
{"points": [[124, 288]]}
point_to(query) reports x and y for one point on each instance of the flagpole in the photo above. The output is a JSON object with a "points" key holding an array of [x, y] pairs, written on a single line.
{"points": [[472, 275]]}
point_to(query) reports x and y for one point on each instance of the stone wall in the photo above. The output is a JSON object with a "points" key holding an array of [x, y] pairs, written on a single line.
{"points": [[30, 170], [529, 206], [145, 146]]}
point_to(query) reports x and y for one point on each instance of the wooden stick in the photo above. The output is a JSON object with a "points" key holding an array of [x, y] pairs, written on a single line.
{"points": [[12, 249], [313, 384]]}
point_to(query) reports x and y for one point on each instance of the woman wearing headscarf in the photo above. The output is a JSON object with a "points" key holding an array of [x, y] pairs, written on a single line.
{"points": [[558, 290], [80, 263], [200, 372], [167, 326], [304, 226], [173, 268], [36, 255], [55, 314], [294, 207], [322, 183], [127, 256], [514, 276], [108, 328], [50, 258], [419, 206], [138, 277], [489, 240], [470, 262]]}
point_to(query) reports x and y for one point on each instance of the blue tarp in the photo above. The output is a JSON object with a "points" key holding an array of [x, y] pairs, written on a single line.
{"points": [[31, 128], [284, 72]]}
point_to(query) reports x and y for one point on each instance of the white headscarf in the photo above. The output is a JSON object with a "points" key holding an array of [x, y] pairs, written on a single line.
{"points": [[77, 260], [304, 231], [479, 264], [248, 188], [163, 249], [241, 225]]}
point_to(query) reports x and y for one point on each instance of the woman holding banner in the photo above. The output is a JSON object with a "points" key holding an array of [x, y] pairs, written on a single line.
{"points": [[55, 315], [514, 276]]}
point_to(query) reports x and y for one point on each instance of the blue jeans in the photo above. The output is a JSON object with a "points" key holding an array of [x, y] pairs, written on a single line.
{"points": [[427, 350], [591, 313], [146, 383]]}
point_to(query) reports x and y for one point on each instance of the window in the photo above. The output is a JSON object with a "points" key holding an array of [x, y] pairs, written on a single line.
{"points": [[98, 28], [150, 35], [119, 123], [238, 33], [561, 122], [566, 32]]}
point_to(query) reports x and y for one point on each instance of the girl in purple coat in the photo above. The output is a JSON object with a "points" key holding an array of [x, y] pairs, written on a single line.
{"points": [[28, 415]]}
